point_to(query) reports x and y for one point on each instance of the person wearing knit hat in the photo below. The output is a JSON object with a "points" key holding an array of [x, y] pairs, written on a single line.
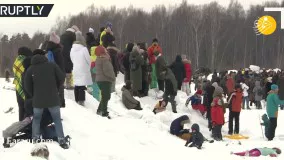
{"points": [[273, 103], [54, 38], [81, 60]]}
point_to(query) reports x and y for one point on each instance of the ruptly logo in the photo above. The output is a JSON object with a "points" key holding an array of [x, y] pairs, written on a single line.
{"points": [[25, 10], [266, 25]]}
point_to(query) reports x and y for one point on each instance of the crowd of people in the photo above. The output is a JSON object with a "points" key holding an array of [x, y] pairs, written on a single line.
{"points": [[93, 62]]}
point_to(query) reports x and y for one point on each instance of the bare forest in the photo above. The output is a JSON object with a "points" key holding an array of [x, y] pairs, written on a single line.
{"points": [[210, 35]]}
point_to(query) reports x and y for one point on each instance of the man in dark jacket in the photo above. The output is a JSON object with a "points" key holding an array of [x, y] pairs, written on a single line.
{"points": [[67, 40], [171, 88], [208, 98], [160, 67], [197, 138], [90, 39], [42, 82], [126, 63], [179, 71], [113, 52], [54, 46]]}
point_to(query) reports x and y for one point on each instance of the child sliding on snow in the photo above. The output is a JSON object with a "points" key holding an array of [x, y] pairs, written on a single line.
{"points": [[272, 152], [160, 106], [196, 102]]}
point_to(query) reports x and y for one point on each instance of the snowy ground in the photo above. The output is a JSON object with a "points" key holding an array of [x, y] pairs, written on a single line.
{"points": [[130, 135]]}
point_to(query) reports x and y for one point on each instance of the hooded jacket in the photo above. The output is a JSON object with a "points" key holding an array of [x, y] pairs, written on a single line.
{"points": [[170, 83], [81, 65], [256, 89], [196, 138], [217, 112], [57, 53], [237, 100], [176, 125], [67, 40], [178, 69], [273, 103], [113, 52], [160, 67], [91, 40], [128, 100], [187, 67], [42, 81], [104, 69]]}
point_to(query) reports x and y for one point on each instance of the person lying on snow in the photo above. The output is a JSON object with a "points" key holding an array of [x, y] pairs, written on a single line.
{"points": [[177, 127], [196, 138], [272, 152], [196, 102], [160, 106], [127, 97]]}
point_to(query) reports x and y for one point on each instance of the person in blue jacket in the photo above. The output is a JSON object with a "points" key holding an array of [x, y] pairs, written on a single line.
{"points": [[273, 103], [177, 126]]}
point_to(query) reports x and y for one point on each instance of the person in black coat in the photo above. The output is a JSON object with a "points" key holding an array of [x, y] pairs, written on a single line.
{"points": [[54, 46], [178, 70], [177, 125], [66, 40], [196, 138], [108, 38], [42, 82], [90, 39], [126, 63], [146, 69], [207, 100], [113, 53]]}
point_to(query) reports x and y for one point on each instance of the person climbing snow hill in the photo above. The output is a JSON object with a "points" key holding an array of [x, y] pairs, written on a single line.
{"points": [[160, 106]]}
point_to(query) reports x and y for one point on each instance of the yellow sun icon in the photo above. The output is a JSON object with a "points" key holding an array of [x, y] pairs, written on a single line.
{"points": [[266, 25]]}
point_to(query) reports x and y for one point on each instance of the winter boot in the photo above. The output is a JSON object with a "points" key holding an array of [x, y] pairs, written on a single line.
{"points": [[81, 103], [64, 142], [174, 106], [69, 81], [106, 115]]}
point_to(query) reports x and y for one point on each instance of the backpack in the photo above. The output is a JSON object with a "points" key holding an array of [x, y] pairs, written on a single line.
{"points": [[133, 65], [259, 92], [50, 56]]}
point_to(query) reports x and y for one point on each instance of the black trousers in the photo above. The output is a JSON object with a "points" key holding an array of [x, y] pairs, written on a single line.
{"points": [[145, 88], [79, 92], [234, 116], [271, 128], [258, 105], [161, 84], [61, 96], [217, 132], [21, 104], [179, 85]]}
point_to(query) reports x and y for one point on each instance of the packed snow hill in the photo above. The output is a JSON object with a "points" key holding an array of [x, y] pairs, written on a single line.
{"points": [[132, 134]]}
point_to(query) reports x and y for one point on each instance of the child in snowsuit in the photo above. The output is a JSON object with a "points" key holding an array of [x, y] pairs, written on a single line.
{"points": [[196, 138], [265, 124], [177, 127], [217, 115], [160, 106], [272, 152], [196, 102]]}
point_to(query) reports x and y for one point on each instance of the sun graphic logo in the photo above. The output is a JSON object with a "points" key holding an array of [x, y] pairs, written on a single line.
{"points": [[265, 25]]}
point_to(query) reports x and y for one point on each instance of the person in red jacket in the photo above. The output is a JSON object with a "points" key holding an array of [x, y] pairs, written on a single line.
{"points": [[230, 84], [235, 101], [217, 117], [187, 79], [153, 50]]}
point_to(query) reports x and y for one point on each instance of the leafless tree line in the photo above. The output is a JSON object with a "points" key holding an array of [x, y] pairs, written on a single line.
{"points": [[210, 35]]}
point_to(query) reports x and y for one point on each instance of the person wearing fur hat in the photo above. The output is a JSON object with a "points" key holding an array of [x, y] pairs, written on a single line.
{"points": [[153, 50], [187, 80], [217, 114], [272, 152], [160, 106], [136, 61], [127, 97], [113, 52], [55, 47], [273, 103], [160, 66], [235, 102], [66, 40], [81, 60], [104, 77], [90, 39], [170, 88], [196, 102], [24, 54]]}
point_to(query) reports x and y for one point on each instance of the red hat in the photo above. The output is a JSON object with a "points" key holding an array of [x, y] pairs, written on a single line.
{"points": [[199, 92], [100, 50]]}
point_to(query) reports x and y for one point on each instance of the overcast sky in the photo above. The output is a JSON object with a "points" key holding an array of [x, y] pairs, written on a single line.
{"points": [[64, 7]]}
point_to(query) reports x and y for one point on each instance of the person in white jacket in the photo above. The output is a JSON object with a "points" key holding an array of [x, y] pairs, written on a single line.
{"points": [[245, 89], [81, 60]]}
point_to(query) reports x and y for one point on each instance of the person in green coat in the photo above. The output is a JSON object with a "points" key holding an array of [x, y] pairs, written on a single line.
{"points": [[136, 61], [273, 103], [272, 152]]}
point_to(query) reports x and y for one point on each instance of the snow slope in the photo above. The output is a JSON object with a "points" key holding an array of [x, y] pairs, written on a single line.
{"points": [[130, 135]]}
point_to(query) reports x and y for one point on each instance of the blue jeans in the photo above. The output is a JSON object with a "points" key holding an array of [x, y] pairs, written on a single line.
{"points": [[246, 101], [56, 117]]}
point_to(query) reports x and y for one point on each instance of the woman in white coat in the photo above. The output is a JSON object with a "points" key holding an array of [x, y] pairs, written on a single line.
{"points": [[81, 60]]}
